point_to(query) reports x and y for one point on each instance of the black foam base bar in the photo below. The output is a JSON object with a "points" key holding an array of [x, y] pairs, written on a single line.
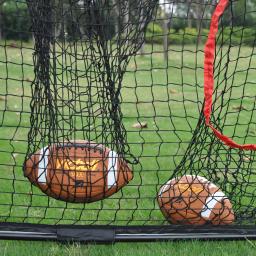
{"points": [[111, 234]]}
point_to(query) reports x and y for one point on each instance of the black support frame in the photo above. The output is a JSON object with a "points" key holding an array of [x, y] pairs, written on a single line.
{"points": [[112, 234]]}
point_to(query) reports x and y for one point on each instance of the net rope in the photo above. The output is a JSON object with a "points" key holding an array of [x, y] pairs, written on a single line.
{"points": [[97, 71], [76, 94]]}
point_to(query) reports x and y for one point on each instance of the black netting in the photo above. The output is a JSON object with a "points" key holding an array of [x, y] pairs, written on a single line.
{"points": [[79, 76], [128, 75]]}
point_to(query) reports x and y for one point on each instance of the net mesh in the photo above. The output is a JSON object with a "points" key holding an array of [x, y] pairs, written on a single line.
{"points": [[129, 75], [78, 78]]}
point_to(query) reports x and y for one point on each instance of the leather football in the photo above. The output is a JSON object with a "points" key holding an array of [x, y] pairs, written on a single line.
{"points": [[77, 171], [194, 200]]}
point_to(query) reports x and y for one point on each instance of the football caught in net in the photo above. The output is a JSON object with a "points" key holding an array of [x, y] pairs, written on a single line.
{"points": [[194, 200], [78, 172]]}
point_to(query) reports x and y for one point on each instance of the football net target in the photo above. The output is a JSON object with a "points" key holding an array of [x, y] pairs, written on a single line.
{"points": [[125, 118]]}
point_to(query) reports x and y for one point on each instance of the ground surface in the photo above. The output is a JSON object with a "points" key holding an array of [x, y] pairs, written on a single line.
{"points": [[195, 248], [169, 100]]}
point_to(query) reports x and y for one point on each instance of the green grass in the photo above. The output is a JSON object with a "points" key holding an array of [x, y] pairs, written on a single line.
{"points": [[169, 100], [197, 248]]}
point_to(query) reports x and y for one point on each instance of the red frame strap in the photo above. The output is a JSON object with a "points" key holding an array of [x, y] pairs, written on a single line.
{"points": [[209, 56]]}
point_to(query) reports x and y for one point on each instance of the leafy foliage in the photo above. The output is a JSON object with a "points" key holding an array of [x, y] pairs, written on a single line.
{"points": [[15, 20]]}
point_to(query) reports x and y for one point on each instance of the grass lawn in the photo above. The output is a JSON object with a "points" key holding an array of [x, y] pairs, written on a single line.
{"points": [[197, 248], [169, 97]]}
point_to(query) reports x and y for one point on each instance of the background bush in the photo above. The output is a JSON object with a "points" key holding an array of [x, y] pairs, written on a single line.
{"points": [[15, 21], [228, 35], [15, 24], [155, 34], [239, 35]]}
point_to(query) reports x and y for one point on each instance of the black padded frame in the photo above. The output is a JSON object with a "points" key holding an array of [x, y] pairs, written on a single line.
{"points": [[111, 234]]}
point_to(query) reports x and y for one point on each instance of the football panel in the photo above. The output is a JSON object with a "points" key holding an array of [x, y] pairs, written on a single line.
{"points": [[180, 205], [225, 215], [77, 174], [78, 178], [192, 200]]}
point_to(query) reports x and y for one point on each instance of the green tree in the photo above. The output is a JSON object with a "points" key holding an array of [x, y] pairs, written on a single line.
{"points": [[14, 20], [244, 13]]}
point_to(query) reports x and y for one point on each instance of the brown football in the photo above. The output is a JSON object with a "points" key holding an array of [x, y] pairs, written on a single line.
{"points": [[194, 200], [78, 171]]}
